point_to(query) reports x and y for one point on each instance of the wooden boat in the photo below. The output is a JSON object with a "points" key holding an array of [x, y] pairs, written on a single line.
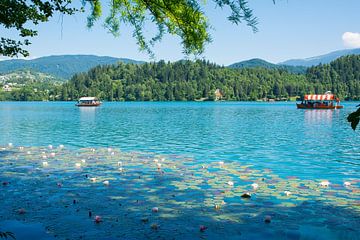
{"points": [[88, 102], [315, 101]]}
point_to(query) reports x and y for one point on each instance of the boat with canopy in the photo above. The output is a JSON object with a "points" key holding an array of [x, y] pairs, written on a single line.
{"points": [[88, 102], [317, 101]]}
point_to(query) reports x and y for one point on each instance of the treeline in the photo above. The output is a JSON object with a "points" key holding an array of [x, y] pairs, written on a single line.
{"points": [[182, 81], [341, 76], [188, 81]]}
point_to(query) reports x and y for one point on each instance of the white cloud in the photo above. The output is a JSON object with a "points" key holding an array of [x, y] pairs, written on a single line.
{"points": [[351, 40]]}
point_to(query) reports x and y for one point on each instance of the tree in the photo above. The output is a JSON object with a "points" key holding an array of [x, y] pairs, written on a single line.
{"points": [[184, 18]]}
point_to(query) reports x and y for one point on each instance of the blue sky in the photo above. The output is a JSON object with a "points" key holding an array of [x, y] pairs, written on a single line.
{"points": [[288, 29]]}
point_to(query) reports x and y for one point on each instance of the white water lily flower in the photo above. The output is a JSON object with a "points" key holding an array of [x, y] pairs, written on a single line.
{"points": [[10, 144], [78, 165], [93, 179], [52, 154], [45, 164], [50, 146], [106, 183], [325, 183], [287, 193], [221, 163], [230, 183], [347, 184], [255, 186]]}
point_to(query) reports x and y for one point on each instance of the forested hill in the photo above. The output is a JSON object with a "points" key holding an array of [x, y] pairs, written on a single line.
{"points": [[257, 62], [183, 80], [61, 66], [187, 80], [341, 76]]}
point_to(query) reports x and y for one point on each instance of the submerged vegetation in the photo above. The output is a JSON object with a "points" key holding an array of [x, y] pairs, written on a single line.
{"points": [[157, 196], [199, 80]]}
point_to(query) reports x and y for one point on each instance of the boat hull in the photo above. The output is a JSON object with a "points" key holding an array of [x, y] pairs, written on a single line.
{"points": [[88, 105], [307, 106]]}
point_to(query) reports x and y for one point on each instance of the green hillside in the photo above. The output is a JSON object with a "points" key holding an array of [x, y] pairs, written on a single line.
{"points": [[62, 66], [260, 63], [199, 80]]}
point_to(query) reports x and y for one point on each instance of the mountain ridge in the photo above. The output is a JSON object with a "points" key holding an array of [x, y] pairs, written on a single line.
{"points": [[323, 59], [61, 66]]}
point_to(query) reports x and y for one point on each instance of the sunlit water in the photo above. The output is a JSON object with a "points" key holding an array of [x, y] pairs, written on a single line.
{"points": [[274, 145]]}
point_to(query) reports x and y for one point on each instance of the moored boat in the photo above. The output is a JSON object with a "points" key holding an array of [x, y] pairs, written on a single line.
{"points": [[88, 102], [317, 101]]}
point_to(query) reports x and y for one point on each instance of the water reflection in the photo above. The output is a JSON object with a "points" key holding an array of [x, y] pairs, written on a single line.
{"points": [[318, 116]]}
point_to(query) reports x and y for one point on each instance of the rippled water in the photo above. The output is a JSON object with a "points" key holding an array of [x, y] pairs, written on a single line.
{"points": [[274, 145], [277, 136]]}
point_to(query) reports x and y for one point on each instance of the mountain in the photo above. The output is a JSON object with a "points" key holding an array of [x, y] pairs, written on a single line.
{"points": [[61, 66], [256, 62], [326, 58]]}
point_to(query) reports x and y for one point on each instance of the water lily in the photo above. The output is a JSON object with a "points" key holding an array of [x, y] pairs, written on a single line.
{"points": [[78, 165], [324, 183], [50, 146], [21, 148], [61, 146], [347, 184], [106, 183], [155, 209], [202, 228], [155, 226], [109, 149], [255, 186], [119, 164], [230, 183], [52, 154], [28, 152], [83, 160], [287, 193], [246, 195], [21, 211], [45, 164], [97, 219], [221, 163], [10, 145], [93, 179]]}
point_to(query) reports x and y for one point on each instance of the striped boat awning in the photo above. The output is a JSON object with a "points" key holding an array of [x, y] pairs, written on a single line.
{"points": [[319, 97]]}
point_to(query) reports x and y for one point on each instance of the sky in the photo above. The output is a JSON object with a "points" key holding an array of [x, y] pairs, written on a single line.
{"points": [[288, 29]]}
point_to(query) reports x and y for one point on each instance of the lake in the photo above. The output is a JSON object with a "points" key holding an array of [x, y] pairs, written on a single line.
{"points": [[210, 154]]}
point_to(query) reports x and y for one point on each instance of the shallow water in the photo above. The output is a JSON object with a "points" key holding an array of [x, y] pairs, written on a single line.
{"points": [[274, 145]]}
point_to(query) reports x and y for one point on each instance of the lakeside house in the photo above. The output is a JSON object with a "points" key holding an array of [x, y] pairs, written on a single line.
{"points": [[7, 88], [218, 94]]}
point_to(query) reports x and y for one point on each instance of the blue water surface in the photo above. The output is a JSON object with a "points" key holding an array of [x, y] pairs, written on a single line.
{"points": [[278, 136]]}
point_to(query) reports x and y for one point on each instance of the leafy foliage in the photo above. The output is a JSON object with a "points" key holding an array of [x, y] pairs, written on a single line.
{"points": [[19, 14], [7, 235], [354, 118], [184, 18]]}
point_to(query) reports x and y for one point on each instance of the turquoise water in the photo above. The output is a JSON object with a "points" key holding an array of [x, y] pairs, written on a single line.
{"points": [[272, 144], [277, 136]]}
